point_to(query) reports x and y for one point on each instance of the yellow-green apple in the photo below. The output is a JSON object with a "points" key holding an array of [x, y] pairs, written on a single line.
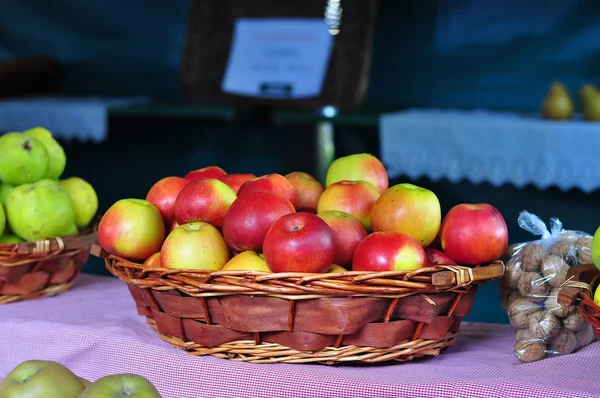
{"points": [[163, 195], [438, 257], [196, 245], [249, 218], [205, 172], [308, 190], [595, 249], [274, 183], [235, 181], [352, 197], [153, 260], [132, 228], [247, 261], [336, 269], [299, 242], [360, 166], [474, 233], [347, 230], [389, 251], [207, 200], [410, 209], [121, 385], [85, 382], [37, 379]]}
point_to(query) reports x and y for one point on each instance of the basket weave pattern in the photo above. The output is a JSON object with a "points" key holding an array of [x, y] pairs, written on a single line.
{"points": [[298, 318]]}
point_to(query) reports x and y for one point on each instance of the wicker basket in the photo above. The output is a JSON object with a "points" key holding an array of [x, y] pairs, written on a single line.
{"points": [[300, 318], [44, 268], [579, 289]]}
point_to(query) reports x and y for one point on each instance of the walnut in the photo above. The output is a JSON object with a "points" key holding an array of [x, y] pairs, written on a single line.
{"points": [[530, 351], [564, 342], [575, 322], [532, 255], [525, 335], [508, 296], [584, 250], [585, 336], [533, 287], [564, 249], [519, 312], [544, 325], [511, 250], [557, 309], [555, 269], [512, 273]]}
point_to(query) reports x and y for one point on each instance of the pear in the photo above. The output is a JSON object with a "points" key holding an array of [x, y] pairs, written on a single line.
{"points": [[589, 96], [2, 220], [84, 200], [121, 385], [558, 104], [5, 190], [10, 239], [36, 379], [23, 159], [40, 210], [57, 160]]}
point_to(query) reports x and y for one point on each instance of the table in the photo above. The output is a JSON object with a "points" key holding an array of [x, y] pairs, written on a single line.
{"points": [[95, 331]]}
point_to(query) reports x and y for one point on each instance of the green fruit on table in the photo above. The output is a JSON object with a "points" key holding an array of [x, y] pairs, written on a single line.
{"points": [[37, 379], [596, 249], [85, 382], [558, 104], [121, 385], [589, 96], [57, 160], [5, 190], [23, 159], [84, 200], [597, 296], [40, 210], [2, 220], [10, 239]]}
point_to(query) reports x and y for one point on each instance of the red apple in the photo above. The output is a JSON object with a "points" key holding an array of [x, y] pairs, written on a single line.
{"points": [[360, 166], [195, 245], [410, 209], [205, 172], [163, 195], [389, 251], [132, 228], [249, 218], [235, 181], [153, 260], [274, 183], [438, 257], [299, 242], [352, 197], [347, 230], [207, 200], [307, 188], [474, 234], [173, 225]]}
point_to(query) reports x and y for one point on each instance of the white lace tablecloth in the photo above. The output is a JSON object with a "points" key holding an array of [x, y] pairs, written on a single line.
{"points": [[498, 148], [85, 119]]}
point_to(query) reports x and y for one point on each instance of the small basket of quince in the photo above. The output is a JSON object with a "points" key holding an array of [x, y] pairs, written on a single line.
{"points": [[47, 224]]}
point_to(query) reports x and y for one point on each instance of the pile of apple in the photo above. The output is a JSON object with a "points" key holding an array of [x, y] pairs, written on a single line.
{"points": [[211, 220]]}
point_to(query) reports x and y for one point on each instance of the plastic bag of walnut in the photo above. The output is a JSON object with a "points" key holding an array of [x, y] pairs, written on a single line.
{"points": [[529, 290]]}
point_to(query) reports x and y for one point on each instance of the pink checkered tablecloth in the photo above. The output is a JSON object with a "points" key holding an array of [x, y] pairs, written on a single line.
{"points": [[95, 331]]}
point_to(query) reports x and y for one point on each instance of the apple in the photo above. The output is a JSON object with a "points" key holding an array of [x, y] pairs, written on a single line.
{"points": [[205, 172], [306, 210], [247, 261], [389, 251], [347, 230], [299, 242], [196, 245], [235, 181], [207, 200], [474, 234], [336, 269], [121, 385], [249, 218], [153, 260], [132, 228], [595, 249], [438, 257], [174, 225], [274, 183], [360, 166], [37, 379], [163, 195], [307, 188], [410, 209], [352, 197]]}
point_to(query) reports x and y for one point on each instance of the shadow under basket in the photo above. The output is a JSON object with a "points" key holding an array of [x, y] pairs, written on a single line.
{"points": [[30, 270], [582, 282], [332, 318]]}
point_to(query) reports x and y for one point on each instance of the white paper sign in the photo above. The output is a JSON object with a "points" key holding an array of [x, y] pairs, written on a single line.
{"points": [[278, 58]]}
